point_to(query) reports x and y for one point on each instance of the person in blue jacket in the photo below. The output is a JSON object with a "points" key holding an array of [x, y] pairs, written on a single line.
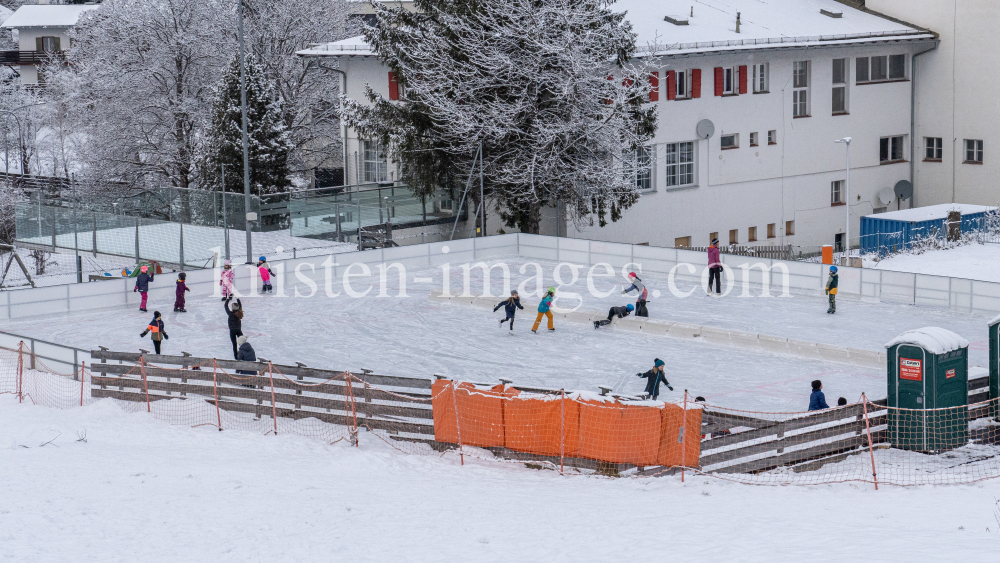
{"points": [[654, 378], [543, 310], [817, 401], [510, 306]]}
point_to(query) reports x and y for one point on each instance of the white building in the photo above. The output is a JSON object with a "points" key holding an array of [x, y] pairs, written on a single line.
{"points": [[779, 87], [955, 112], [41, 32]]}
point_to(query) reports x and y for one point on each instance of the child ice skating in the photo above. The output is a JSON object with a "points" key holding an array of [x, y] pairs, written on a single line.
{"points": [[142, 285], [265, 274], [235, 323], [510, 306], [179, 293], [640, 302], [831, 290], [714, 268], [228, 275], [156, 328], [543, 310], [654, 378], [620, 312]]}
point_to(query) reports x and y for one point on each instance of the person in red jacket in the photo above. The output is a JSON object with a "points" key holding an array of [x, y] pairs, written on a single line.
{"points": [[179, 293], [714, 268]]}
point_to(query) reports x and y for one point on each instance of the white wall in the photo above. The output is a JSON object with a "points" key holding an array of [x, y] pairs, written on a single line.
{"points": [[26, 42]]}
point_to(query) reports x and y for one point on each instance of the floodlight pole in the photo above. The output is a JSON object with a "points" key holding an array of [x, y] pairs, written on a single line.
{"points": [[246, 143], [847, 200]]}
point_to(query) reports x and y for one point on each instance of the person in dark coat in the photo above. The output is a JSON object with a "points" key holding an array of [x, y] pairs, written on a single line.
{"points": [[142, 285], [179, 293], [235, 322], [510, 306], [842, 402], [817, 401], [156, 328], [620, 312], [831, 290], [654, 378], [246, 354]]}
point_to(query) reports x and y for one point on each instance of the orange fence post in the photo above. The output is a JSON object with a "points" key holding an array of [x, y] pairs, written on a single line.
{"points": [[20, 372], [145, 386], [274, 409], [562, 431], [868, 430], [354, 412], [215, 390], [83, 375], [458, 426], [684, 435]]}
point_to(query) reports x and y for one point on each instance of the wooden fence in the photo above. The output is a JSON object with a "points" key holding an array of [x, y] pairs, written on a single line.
{"points": [[765, 252]]}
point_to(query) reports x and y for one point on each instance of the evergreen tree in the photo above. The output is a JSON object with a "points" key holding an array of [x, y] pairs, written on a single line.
{"points": [[528, 80], [268, 137]]}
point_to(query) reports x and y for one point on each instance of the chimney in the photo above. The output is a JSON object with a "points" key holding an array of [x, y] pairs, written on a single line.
{"points": [[737, 22]]}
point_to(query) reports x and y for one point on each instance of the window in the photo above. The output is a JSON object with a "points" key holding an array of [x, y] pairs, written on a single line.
{"points": [[643, 169], [890, 149], [680, 164], [47, 44], [375, 162], [729, 80], [772, 137], [800, 89], [681, 84], [770, 230], [734, 236], [880, 69], [838, 242], [753, 139], [839, 86], [731, 141], [713, 236], [760, 78], [752, 234], [789, 228], [932, 148], [877, 210], [973, 151], [837, 192], [682, 242]]}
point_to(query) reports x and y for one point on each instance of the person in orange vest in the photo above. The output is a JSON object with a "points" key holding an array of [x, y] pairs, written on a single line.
{"points": [[156, 328]]}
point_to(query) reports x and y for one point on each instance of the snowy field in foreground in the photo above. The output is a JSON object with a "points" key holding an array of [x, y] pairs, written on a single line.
{"points": [[417, 337], [971, 261], [140, 490]]}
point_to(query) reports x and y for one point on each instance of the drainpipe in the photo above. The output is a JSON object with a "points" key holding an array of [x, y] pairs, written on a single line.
{"points": [[343, 139], [913, 119]]}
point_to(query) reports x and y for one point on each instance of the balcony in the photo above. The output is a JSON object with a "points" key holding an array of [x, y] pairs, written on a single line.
{"points": [[11, 58]]}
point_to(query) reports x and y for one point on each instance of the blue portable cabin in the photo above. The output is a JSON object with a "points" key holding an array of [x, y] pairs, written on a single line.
{"points": [[893, 231]]}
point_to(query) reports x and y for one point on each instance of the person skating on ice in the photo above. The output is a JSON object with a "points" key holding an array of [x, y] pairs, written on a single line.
{"points": [[510, 306], [654, 378], [179, 300], [621, 312], [227, 280], [156, 328], [640, 302], [265, 274], [831, 290], [235, 322], [543, 310], [714, 268], [142, 285]]}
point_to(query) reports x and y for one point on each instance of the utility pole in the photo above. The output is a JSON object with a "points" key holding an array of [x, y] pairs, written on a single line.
{"points": [[847, 201], [246, 143]]}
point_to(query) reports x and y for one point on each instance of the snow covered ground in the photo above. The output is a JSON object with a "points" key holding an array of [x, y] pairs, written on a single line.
{"points": [[140, 490], [415, 336], [971, 261]]}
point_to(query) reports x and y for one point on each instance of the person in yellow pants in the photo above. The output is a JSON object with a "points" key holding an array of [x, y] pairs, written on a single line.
{"points": [[543, 310]]}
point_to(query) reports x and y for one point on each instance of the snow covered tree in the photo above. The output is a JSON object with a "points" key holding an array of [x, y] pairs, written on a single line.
{"points": [[549, 88], [268, 138]]}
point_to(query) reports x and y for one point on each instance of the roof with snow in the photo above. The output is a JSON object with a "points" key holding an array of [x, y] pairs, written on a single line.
{"points": [[931, 212], [931, 338], [764, 24], [49, 15]]}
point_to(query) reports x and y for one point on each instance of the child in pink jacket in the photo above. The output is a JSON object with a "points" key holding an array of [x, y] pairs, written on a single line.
{"points": [[265, 274], [228, 275]]}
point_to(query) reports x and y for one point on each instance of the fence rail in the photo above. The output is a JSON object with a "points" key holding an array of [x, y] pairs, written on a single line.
{"points": [[767, 252]]}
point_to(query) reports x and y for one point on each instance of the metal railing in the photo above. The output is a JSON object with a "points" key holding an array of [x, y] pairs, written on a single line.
{"points": [[46, 351], [30, 57]]}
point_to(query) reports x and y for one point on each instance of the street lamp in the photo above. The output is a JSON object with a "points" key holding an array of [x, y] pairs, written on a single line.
{"points": [[847, 199], [246, 145]]}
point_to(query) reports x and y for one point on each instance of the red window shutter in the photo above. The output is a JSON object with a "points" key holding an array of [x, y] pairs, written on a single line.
{"points": [[671, 85], [628, 82], [393, 87], [654, 86], [718, 81], [696, 83], [743, 79]]}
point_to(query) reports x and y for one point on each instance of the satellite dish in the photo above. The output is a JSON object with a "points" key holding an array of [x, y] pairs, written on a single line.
{"points": [[903, 189], [885, 195], [705, 129]]}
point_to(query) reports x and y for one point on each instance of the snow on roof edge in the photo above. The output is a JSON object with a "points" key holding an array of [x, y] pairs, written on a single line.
{"points": [[934, 339], [47, 15]]}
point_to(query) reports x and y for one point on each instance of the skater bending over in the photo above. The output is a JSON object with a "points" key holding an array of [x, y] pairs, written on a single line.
{"points": [[179, 293], [156, 328], [235, 322], [543, 310], [654, 378], [831, 290], [510, 306], [265, 274], [640, 302], [620, 312]]}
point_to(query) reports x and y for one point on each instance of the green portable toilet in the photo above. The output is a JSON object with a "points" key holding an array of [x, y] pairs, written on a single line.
{"points": [[994, 364], [928, 371]]}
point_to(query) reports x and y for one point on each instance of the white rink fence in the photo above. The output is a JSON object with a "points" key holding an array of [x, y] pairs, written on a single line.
{"points": [[688, 268]]}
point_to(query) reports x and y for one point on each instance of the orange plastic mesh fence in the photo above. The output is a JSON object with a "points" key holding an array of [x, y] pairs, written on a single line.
{"points": [[578, 432]]}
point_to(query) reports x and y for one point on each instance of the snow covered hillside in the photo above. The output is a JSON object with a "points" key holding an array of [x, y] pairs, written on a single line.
{"points": [[971, 261]]}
